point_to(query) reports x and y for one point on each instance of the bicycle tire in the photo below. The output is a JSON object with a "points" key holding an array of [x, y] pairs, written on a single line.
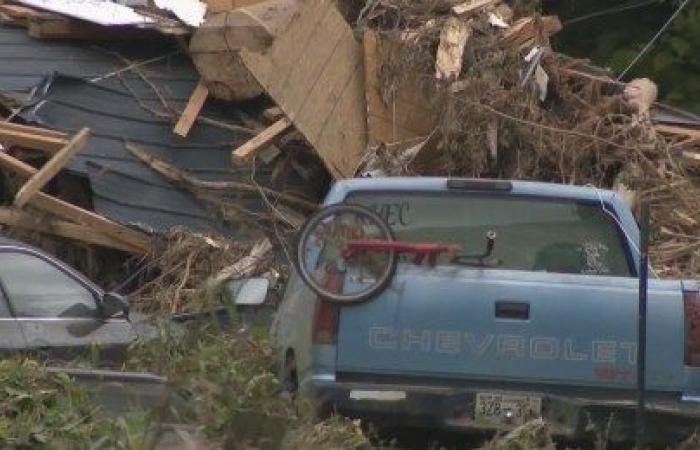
{"points": [[360, 296]]}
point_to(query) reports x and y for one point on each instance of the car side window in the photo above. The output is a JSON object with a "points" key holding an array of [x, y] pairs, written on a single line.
{"points": [[37, 288]]}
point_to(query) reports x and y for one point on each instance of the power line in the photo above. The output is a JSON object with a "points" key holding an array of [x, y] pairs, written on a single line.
{"points": [[609, 11], [654, 39]]}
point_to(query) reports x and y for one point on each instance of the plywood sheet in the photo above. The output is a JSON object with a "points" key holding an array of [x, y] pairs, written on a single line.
{"points": [[314, 72]]}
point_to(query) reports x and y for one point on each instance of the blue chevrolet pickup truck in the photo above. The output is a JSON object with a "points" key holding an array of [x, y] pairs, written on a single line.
{"points": [[544, 326]]}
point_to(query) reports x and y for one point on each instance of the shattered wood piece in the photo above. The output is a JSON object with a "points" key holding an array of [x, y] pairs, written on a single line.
{"points": [[22, 219], [194, 106], [313, 71], [496, 21], [216, 6], [27, 137], [677, 130], [136, 240], [524, 31], [269, 136], [65, 28], [472, 7], [505, 12], [640, 94], [273, 114], [215, 46], [248, 265], [450, 53], [51, 168], [410, 113]]}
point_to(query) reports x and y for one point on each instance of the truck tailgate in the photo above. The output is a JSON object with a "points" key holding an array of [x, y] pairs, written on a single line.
{"points": [[504, 325]]}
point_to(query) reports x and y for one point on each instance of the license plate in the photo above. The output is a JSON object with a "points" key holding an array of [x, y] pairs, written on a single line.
{"points": [[506, 409]]}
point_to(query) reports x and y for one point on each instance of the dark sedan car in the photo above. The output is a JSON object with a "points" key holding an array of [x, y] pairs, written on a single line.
{"points": [[46, 306]]}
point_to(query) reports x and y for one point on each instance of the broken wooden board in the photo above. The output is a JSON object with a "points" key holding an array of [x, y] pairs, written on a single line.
{"points": [[102, 12], [137, 241], [30, 137], [268, 136], [313, 71], [411, 113], [51, 168], [19, 15], [191, 111], [36, 222], [450, 53], [215, 46], [525, 31], [472, 7]]}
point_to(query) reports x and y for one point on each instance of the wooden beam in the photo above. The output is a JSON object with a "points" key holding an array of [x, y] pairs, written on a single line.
{"points": [[9, 126], [139, 242], [29, 139], [52, 167], [677, 130], [194, 105], [268, 136], [21, 219]]}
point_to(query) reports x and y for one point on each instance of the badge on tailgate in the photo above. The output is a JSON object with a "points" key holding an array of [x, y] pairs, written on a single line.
{"points": [[506, 409]]}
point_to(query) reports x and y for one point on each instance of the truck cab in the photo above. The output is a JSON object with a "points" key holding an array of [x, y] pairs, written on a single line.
{"points": [[547, 329]]}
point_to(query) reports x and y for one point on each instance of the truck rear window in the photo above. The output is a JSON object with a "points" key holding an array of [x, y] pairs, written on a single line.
{"points": [[533, 234]]}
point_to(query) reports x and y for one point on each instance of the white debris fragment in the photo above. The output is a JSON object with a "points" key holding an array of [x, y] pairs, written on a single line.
{"points": [[542, 80], [497, 21], [189, 11], [97, 11]]}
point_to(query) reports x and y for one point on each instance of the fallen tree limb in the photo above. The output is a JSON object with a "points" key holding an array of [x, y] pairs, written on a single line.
{"points": [[178, 176]]}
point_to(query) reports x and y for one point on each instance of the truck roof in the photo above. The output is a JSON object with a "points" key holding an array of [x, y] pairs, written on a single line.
{"points": [[428, 184]]}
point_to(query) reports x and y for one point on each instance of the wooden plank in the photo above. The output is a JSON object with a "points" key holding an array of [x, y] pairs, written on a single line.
{"points": [[191, 111], [472, 7], [31, 140], [51, 168], [64, 28], [9, 126], [21, 219], [139, 242], [450, 53], [313, 71], [677, 130], [269, 136]]}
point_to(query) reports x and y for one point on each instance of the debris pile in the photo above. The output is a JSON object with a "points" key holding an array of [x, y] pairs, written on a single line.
{"points": [[236, 129]]}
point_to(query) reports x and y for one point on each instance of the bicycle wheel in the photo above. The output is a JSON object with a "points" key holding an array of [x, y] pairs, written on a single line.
{"points": [[329, 269]]}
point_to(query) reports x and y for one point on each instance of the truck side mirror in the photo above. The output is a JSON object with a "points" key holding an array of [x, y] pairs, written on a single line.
{"points": [[113, 303], [246, 292]]}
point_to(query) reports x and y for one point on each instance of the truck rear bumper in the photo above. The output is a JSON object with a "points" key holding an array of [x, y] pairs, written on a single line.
{"points": [[453, 408]]}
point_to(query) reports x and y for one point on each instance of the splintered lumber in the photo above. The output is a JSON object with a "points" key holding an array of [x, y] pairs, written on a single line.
{"points": [[21, 219], [51, 168], [268, 136], [65, 28], [247, 265], [215, 6], [137, 241], [30, 137], [32, 130], [677, 130], [313, 71], [215, 46], [194, 105], [524, 31], [411, 110], [450, 53], [473, 6], [20, 15]]}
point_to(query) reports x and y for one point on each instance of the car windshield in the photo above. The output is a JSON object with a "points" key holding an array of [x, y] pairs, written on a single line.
{"points": [[532, 234]]}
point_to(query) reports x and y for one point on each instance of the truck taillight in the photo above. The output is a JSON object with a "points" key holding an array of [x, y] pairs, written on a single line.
{"points": [[325, 324], [691, 303]]}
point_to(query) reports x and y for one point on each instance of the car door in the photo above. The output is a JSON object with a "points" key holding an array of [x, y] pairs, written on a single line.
{"points": [[57, 309], [11, 337]]}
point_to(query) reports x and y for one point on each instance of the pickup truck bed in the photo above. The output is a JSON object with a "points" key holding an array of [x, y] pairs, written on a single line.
{"points": [[547, 328]]}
